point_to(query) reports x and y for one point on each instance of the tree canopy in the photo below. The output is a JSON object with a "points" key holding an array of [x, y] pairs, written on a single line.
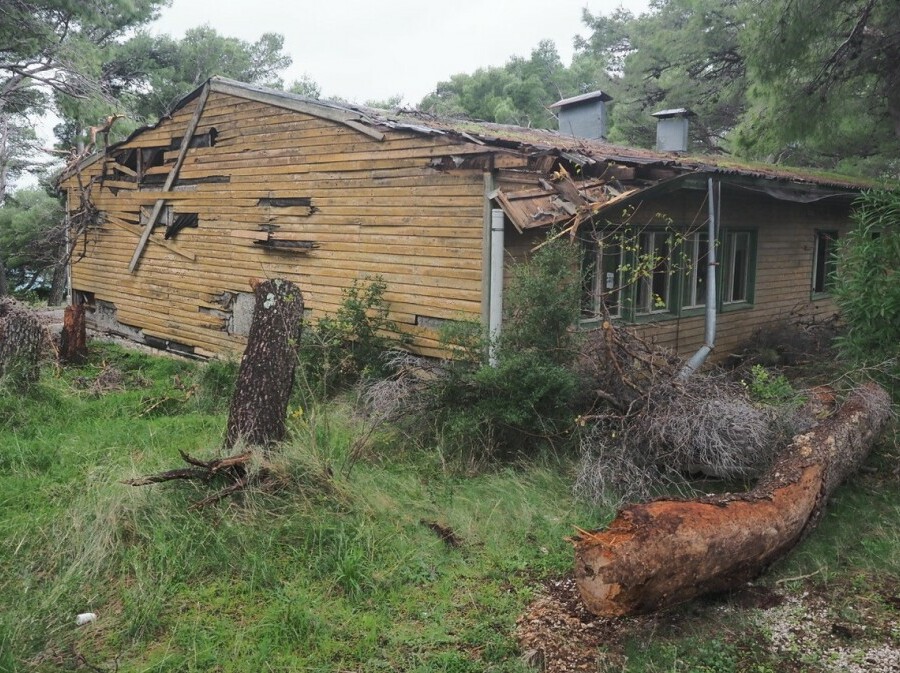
{"points": [[805, 82]]}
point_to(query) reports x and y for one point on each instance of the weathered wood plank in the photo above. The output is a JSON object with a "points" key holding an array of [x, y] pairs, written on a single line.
{"points": [[158, 206]]}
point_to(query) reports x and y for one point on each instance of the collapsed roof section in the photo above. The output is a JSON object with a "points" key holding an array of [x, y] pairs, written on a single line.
{"points": [[609, 175]]}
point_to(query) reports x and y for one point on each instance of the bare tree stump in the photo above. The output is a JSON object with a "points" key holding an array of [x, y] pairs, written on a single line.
{"points": [[73, 338], [258, 413], [22, 340], [266, 376], [661, 553]]}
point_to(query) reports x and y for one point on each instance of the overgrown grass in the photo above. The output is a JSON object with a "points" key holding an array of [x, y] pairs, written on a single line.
{"points": [[337, 571]]}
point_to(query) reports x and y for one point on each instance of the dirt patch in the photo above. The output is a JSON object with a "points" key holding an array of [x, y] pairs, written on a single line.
{"points": [[815, 629]]}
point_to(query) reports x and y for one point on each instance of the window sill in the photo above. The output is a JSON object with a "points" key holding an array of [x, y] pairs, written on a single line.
{"points": [[736, 306], [819, 296], [652, 317], [693, 312]]}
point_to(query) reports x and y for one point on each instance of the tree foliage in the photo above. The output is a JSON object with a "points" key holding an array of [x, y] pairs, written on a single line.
{"points": [[52, 47], [867, 285], [144, 77], [517, 93], [158, 71], [804, 82], [684, 54], [32, 240], [826, 82]]}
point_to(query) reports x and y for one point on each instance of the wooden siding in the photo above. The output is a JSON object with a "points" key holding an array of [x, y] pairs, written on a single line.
{"points": [[374, 208]]}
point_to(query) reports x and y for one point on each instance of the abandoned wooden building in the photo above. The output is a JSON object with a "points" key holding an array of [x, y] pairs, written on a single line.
{"points": [[241, 182]]}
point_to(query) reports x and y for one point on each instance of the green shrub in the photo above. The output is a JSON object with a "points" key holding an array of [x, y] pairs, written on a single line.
{"points": [[340, 349], [769, 388], [525, 399], [867, 286]]}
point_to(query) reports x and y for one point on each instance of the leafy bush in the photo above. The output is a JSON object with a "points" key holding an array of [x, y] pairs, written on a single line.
{"points": [[526, 398], [340, 349], [769, 388], [867, 286]]}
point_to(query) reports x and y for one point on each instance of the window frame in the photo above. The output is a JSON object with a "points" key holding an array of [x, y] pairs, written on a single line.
{"points": [[682, 279], [824, 262], [725, 272]]}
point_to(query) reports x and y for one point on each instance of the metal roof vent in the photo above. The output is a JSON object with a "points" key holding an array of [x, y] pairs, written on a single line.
{"points": [[672, 129], [583, 116]]}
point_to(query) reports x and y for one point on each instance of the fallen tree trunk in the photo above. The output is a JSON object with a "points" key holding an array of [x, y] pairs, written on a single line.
{"points": [[661, 553]]}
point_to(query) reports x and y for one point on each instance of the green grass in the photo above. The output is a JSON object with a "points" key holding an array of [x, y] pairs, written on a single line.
{"points": [[334, 572], [331, 573]]}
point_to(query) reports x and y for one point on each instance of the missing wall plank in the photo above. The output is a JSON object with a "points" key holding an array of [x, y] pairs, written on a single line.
{"points": [[285, 201]]}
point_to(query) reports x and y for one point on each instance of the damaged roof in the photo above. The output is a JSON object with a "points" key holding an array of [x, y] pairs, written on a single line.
{"points": [[577, 152]]}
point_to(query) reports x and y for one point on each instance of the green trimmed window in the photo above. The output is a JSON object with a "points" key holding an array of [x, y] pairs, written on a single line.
{"points": [[824, 261], [658, 273], [737, 267], [655, 261], [696, 257]]}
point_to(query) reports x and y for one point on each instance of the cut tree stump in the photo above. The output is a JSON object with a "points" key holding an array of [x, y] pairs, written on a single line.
{"points": [[258, 414], [266, 375], [662, 553], [73, 338], [22, 341]]}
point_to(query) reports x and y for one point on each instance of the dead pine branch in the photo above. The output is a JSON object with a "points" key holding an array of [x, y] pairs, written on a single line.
{"points": [[258, 413], [664, 552]]}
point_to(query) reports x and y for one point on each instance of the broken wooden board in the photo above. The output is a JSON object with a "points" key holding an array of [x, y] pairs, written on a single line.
{"points": [[170, 180]]}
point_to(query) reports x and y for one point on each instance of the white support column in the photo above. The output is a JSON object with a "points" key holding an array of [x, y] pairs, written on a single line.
{"points": [[496, 295]]}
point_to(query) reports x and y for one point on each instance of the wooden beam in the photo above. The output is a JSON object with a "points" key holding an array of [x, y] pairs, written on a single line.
{"points": [[173, 175], [136, 230]]}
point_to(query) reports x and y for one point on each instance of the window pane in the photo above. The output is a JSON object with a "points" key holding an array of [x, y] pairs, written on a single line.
{"points": [[653, 286], [738, 271], [823, 260], [589, 281], [601, 279], [610, 280], [696, 252]]}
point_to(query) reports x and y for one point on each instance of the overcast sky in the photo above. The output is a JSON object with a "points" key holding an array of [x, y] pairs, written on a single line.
{"points": [[363, 50]]}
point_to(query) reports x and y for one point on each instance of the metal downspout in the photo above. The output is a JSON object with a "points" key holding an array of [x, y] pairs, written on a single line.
{"points": [[496, 293], [700, 356]]}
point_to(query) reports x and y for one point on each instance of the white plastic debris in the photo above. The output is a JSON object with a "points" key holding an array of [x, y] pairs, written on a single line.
{"points": [[85, 618]]}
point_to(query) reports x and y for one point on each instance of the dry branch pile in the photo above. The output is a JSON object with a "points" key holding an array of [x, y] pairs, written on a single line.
{"points": [[648, 428]]}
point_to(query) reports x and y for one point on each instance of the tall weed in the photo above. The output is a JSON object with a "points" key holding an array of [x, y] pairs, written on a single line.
{"points": [[867, 287]]}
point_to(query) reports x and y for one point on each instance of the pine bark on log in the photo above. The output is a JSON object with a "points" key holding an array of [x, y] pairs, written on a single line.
{"points": [[22, 341], [661, 553], [73, 338], [266, 375]]}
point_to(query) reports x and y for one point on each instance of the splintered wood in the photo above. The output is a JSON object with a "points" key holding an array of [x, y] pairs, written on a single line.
{"points": [[661, 553]]}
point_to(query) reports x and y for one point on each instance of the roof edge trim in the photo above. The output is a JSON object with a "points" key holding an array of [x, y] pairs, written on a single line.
{"points": [[349, 119]]}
